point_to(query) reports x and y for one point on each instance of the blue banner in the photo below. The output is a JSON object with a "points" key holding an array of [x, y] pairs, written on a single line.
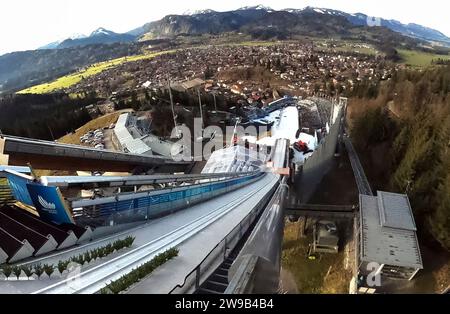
{"points": [[49, 203], [19, 188]]}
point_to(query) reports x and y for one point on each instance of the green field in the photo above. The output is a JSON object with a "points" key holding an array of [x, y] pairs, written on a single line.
{"points": [[258, 43], [419, 58], [345, 46], [72, 79]]}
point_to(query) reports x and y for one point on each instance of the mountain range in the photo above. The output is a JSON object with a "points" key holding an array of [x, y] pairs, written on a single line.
{"points": [[99, 36], [23, 69], [254, 20]]}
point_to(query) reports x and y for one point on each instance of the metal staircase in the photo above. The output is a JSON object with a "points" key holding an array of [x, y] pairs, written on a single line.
{"points": [[218, 282]]}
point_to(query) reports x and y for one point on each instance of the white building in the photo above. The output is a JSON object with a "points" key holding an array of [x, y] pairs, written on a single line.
{"points": [[388, 236]]}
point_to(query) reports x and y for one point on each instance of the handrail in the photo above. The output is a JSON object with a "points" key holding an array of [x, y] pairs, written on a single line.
{"points": [[15, 140], [243, 279], [136, 180], [358, 170], [267, 254], [211, 180]]}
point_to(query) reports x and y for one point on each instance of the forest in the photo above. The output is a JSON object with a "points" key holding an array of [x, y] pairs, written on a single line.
{"points": [[401, 128], [47, 117]]}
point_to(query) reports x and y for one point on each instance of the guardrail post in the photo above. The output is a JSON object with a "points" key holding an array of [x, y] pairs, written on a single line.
{"points": [[197, 278], [225, 248]]}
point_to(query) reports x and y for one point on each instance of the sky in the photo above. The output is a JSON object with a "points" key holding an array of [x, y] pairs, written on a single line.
{"points": [[29, 24]]}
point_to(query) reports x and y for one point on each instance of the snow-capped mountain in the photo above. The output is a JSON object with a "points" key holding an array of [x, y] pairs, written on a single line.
{"points": [[209, 21], [198, 12], [256, 7], [251, 19], [55, 44], [102, 32], [99, 36], [360, 19]]}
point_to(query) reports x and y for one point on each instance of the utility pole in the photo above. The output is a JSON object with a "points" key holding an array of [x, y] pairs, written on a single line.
{"points": [[215, 103], [173, 109], [51, 132], [200, 104]]}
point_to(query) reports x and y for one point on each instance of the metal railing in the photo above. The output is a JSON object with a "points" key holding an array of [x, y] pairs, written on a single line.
{"points": [[142, 206], [219, 253], [199, 180], [42, 147], [244, 279], [272, 200], [135, 180], [261, 275], [358, 170]]}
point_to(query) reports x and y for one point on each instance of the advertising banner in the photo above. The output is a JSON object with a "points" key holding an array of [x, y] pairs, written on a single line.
{"points": [[18, 184], [49, 203]]}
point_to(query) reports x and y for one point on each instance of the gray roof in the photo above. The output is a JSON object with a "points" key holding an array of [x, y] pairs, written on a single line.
{"points": [[388, 233], [395, 211], [162, 147], [15, 168], [131, 138]]}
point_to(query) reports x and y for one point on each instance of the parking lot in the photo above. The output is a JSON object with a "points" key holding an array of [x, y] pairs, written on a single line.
{"points": [[97, 138]]}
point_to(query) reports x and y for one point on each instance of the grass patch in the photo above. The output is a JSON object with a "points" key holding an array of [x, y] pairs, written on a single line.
{"points": [[96, 68], [418, 58], [345, 46], [363, 50], [139, 273], [323, 275], [74, 138]]}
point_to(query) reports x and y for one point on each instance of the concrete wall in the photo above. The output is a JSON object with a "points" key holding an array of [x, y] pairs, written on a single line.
{"points": [[320, 163]]}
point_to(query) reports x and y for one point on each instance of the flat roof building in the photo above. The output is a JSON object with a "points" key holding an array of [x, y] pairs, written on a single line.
{"points": [[388, 236], [131, 135]]}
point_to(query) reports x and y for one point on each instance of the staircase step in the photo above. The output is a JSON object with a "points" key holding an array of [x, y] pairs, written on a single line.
{"points": [[206, 291], [219, 278], [222, 271], [215, 286]]}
